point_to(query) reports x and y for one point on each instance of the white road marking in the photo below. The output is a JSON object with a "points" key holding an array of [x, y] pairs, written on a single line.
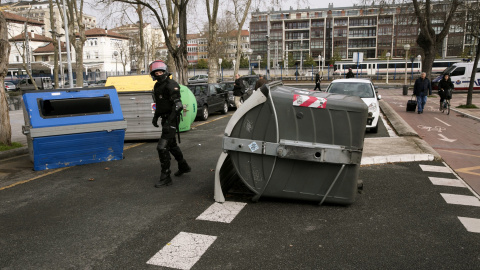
{"points": [[460, 179], [430, 168], [445, 138], [222, 212], [446, 182], [390, 131], [471, 224], [460, 199], [396, 158], [183, 251], [448, 125]]}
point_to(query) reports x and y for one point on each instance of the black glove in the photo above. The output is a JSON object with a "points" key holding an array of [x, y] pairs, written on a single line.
{"points": [[178, 106], [154, 121]]}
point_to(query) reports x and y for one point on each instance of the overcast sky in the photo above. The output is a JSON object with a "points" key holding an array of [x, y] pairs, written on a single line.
{"points": [[197, 15]]}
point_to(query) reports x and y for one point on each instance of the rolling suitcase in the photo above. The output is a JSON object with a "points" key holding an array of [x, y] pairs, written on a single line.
{"points": [[411, 105]]}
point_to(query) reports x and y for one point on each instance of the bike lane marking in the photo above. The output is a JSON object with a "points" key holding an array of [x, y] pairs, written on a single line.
{"points": [[446, 182], [431, 168], [461, 199], [471, 224], [443, 122]]}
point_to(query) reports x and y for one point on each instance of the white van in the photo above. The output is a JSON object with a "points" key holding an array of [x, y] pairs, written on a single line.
{"points": [[41, 82], [460, 75]]}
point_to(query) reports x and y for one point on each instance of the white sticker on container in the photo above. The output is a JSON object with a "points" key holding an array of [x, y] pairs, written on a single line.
{"points": [[303, 92], [56, 94], [253, 146]]}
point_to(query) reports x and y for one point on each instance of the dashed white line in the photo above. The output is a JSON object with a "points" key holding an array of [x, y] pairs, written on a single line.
{"points": [[222, 212], [461, 199], [448, 125], [446, 182], [430, 168], [471, 224], [183, 251]]}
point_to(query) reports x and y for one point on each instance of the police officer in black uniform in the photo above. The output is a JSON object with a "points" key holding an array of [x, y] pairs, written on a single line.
{"points": [[166, 93]]}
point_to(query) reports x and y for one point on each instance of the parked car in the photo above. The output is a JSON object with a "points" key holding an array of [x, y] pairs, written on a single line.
{"points": [[198, 79], [41, 82], [210, 98], [228, 88], [98, 83], [363, 89], [9, 86], [67, 83]]}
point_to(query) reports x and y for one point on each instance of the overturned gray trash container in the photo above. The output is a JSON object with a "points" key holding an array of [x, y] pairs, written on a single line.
{"points": [[291, 143]]}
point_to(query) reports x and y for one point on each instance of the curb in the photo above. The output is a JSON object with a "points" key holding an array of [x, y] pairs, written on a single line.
{"points": [[466, 114], [14, 152], [400, 126]]}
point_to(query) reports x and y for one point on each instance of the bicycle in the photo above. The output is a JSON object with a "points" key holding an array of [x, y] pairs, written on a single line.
{"points": [[446, 106]]}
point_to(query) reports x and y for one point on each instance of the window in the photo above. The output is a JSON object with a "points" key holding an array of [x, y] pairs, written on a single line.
{"points": [[458, 71]]}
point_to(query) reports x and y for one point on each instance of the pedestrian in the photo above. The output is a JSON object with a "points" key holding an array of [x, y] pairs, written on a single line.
{"points": [[166, 94], [421, 90], [318, 79], [350, 73], [238, 90], [260, 82], [445, 88]]}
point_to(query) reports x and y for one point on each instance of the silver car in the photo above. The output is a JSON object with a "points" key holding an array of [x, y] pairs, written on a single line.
{"points": [[9, 86], [198, 79]]}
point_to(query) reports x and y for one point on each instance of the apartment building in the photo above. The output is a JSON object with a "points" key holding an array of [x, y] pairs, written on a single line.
{"points": [[343, 31], [40, 11], [197, 45]]}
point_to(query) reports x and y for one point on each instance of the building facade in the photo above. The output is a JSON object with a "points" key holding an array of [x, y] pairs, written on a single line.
{"points": [[342, 32], [40, 11]]}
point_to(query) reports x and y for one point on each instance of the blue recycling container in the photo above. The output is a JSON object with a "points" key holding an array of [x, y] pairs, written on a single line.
{"points": [[68, 127]]}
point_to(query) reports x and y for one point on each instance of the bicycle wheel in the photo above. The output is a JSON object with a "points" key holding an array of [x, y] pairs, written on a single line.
{"points": [[448, 107]]}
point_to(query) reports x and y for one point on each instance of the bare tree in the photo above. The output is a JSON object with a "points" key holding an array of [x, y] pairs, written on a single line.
{"points": [[5, 128], [178, 53], [240, 12], [212, 40], [141, 54], [55, 45], [473, 26], [75, 18]]}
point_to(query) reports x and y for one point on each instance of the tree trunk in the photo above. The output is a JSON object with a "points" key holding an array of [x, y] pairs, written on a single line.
{"points": [[239, 31], [5, 128], [172, 27], [472, 76], [55, 46], [213, 67], [141, 53]]}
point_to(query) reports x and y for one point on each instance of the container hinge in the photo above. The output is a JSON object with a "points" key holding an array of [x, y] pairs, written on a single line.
{"points": [[308, 151]]}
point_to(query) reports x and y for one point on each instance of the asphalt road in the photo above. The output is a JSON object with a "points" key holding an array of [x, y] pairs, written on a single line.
{"points": [[109, 216]]}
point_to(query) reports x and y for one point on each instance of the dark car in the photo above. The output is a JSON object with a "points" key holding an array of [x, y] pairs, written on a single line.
{"points": [[228, 87], [210, 98]]}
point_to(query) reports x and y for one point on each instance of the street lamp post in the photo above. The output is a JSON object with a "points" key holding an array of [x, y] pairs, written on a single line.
{"points": [[388, 59], [321, 59], [220, 67], [259, 58], [234, 62], [115, 53], [249, 53], [406, 47], [419, 58]]}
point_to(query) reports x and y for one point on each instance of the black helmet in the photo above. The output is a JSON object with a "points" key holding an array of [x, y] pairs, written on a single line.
{"points": [[156, 66]]}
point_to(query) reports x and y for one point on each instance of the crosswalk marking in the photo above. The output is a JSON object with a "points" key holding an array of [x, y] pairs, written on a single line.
{"points": [[471, 224], [222, 212], [460, 199], [430, 168], [183, 251], [446, 182]]}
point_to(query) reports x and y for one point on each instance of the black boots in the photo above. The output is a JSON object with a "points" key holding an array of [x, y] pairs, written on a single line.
{"points": [[182, 168], [165, 179]]}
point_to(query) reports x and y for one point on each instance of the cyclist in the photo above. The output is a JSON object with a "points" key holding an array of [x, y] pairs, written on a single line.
{"points": [[445, 88]]}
